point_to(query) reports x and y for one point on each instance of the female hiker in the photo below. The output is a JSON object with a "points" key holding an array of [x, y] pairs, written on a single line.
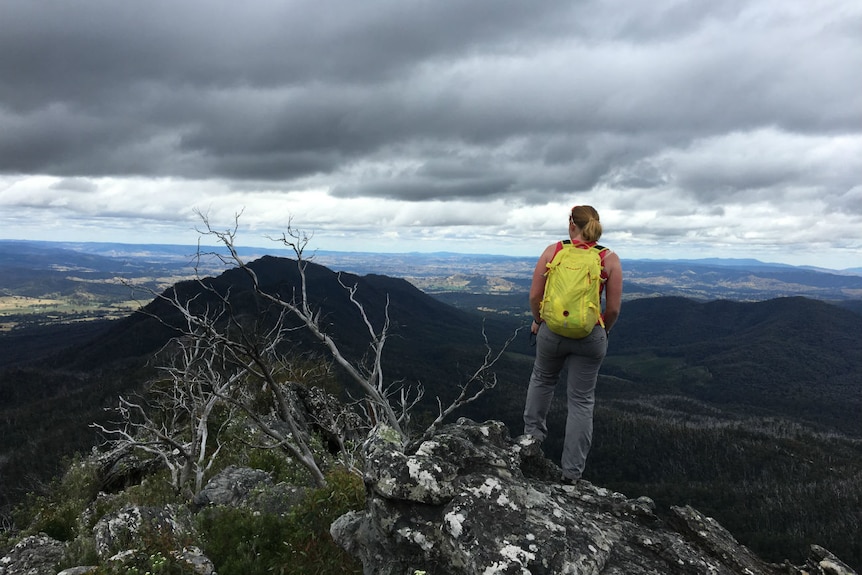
{"points": [[572, 332]]}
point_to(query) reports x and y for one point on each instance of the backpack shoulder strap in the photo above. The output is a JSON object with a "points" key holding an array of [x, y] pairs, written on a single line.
{"points": [[603, 251], [559, 247]]}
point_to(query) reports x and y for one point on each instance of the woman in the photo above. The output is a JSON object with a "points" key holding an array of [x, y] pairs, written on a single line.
{"points": [[583, 357]]}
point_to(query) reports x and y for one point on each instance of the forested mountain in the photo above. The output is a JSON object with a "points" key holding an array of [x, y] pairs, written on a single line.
{"points": [[750, 411], [49, 392], [792, 357]]}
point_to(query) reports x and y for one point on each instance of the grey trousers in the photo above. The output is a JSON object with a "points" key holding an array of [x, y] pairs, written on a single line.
{"points": [[583, 358]]}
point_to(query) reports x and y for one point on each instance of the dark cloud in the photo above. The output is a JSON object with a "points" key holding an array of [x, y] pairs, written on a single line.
{"points": [[448, 178], [273, 90], [523, 103]]}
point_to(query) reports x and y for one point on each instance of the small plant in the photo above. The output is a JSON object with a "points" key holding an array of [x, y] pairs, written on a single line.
{"points": [[245, 542], [147, 563]]}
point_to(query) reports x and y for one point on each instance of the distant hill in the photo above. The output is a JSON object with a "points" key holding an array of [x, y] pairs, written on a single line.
{"points": [[418, 321], [39, 268], [793, 357]]}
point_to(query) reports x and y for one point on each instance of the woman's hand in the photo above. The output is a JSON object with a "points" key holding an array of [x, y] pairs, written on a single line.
{"points": [[534, 327]]}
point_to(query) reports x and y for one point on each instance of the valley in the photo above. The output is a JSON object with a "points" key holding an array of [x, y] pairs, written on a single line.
{"points": [[709, 395], [54, 282]]}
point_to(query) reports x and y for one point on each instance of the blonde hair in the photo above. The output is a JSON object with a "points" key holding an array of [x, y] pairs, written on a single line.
{"points": [[587, 219]]}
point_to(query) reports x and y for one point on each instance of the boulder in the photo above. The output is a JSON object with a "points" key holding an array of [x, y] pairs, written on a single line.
{"points": [[122, 467], [133, 528], [249, 488], [328, 417], [34, 555], [472, 500], [232, 486]]}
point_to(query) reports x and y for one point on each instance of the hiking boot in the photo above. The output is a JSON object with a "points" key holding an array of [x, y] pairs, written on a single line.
{"points": [[571, 481]]}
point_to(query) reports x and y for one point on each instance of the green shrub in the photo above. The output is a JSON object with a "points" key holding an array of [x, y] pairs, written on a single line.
{"points": [[56, 513], [243, 542], [154, 490], [281, 467]]}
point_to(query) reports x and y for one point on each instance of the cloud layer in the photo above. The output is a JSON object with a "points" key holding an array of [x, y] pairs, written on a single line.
{"points": [[694, 128]]}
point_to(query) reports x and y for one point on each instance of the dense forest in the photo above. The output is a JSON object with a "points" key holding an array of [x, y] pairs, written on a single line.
{"points": [[751, 412]]}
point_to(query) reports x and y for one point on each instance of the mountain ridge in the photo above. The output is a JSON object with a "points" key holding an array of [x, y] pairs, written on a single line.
{"points": [[115, 249]]}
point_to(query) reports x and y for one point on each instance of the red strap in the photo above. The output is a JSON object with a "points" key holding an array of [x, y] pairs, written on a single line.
{"points": [[602, 252], [557, 249]]}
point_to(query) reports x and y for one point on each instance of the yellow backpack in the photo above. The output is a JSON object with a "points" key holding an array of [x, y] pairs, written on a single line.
{"points": [[572, 303]]}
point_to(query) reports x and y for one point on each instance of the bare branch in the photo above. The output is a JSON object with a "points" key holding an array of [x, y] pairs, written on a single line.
{"points": [[470, 391], [372, 384], [221, 355]]}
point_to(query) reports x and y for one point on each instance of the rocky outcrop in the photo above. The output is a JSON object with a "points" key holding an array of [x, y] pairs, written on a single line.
{"points": [[251, 489], [232, 486], [132, 527], [121, 468], [471, 500], [34, 555], [474, 501]]}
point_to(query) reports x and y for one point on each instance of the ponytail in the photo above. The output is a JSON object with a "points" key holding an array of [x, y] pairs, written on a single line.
{"points": [[587, 219]]}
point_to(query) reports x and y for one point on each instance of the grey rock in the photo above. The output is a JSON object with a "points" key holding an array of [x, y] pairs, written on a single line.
{"points": [[471, 500], [328, 417], [122, 467], [86, 570], [133, 527], [196, 560], [278, 499], [248, 488], [232, 486], [34, 555]]}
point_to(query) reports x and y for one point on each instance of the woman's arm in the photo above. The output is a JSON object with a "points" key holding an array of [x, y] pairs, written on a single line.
{"points": [[613, 289]]}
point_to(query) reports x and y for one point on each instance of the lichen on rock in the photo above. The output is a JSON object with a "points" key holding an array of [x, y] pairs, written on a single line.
{"points": [[471, 500]]}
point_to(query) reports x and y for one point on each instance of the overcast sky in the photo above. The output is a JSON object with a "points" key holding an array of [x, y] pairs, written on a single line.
{"points": [[729, 128]]}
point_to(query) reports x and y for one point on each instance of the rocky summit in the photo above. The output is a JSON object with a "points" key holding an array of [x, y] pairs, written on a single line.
{"points": [[469, 501], [474, 501]]}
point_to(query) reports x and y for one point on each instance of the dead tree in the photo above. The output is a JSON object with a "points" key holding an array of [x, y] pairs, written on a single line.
{"points": [[173, 421], [387, 403], [223, 353], [252, 352], [479, 382], [220, 357]]}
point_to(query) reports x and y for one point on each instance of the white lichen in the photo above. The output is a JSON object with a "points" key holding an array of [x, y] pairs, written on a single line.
{"points": [[488, 487], [427, 448], [423, 477], [416, 537], [517, 554], [504, 501], [513, 556], [455, 523]]}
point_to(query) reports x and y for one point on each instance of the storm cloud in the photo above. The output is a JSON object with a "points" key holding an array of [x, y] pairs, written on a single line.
{"points": [[694, 128]]}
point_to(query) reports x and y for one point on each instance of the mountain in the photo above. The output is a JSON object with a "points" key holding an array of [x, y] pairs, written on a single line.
{"points": [[421, 327], [792, 357], [747, 410]]}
